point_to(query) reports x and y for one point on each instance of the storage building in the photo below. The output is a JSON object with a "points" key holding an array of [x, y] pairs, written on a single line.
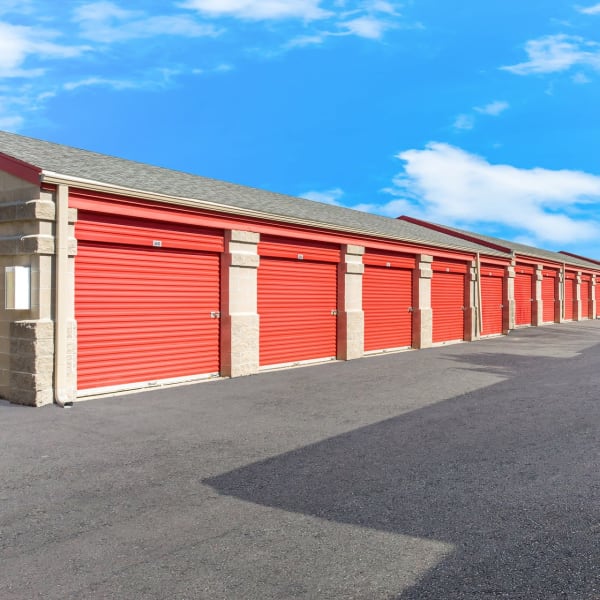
{"points": [[121, 275], [547, 287]]}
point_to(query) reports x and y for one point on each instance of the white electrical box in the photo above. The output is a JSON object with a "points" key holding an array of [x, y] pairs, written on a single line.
{"points": [[17, 288]]}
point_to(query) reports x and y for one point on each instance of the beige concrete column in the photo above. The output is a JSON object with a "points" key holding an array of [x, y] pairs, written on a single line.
{"points": [[239, 315], [472, 304], [63, 294], [577, 301], [537, 316], [593, 298], [27, 238], [422, 314], [351, 318], [508, 300], [559, 295]]}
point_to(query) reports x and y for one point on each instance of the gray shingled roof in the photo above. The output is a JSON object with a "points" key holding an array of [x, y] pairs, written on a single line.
{"points": [[72, 162], [525, 250]]}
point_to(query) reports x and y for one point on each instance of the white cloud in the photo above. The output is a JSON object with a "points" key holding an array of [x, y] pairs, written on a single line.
{"points": [[307, 40], [590, 10], [31, 51], [11, 123], [382, 7], [331, 196], [446, 184], [525, 240], [150, 80], [580, 78], [16, 102], [557, 53], [106, 22], [16, 7], [115, 84], [367, 27], [363, 24], [223, 68], [102, 11], [464, 122], [366, 19], [43, 96], [18, 43], [259, 10], [493, 109], [393, 208]]}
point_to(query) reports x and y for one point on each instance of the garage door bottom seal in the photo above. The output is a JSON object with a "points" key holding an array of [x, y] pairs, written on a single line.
{"points": [[128, 388]]}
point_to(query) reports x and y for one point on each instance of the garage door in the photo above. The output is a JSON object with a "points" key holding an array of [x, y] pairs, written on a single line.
{"points": [[549, 295], [524, 293], [492, 281], [586, 287], [297, 301], [569, 296], [146, 301], [448, 300], [387, 300]]}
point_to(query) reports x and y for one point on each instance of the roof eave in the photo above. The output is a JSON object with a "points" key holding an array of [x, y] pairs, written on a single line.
{"points": [[516, 253], [20, 169], [53, 178], [469, 238], [584, 258]]}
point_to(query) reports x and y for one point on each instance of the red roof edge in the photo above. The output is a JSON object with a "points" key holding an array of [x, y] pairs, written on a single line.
{"points": [[20, 169], [462, 236], [592, 260]]}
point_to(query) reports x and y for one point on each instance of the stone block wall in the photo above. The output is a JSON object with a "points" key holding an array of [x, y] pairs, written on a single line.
{"points": [[27, 225]]}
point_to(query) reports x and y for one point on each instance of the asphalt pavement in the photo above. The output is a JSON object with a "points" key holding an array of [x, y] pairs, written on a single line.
{"points": [[466, 471]]}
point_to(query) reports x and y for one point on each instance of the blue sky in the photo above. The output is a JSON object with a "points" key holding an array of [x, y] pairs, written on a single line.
{"points": [[481, 115]]}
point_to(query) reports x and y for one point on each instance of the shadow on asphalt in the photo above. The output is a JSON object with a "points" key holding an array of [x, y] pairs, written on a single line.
{"points": [[5, 404], [508, 475]]}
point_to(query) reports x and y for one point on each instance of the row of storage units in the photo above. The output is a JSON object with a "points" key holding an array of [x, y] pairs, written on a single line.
{"points": [[148, 298], [524, 295], [141, 276]]}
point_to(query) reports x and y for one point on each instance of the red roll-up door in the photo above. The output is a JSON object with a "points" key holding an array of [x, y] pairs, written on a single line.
{"points": [[144, 294], [448, 301], [585, 292], [549, 296], [387, 301], [297, 301], [524, 292], [569, 296], [492, 281]]}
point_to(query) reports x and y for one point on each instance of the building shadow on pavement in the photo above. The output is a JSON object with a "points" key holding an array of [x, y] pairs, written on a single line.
{"points": [[508, 474]]}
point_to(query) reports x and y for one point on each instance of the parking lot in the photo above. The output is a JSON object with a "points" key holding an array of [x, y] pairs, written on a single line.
{"points": [[463, 471]]}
